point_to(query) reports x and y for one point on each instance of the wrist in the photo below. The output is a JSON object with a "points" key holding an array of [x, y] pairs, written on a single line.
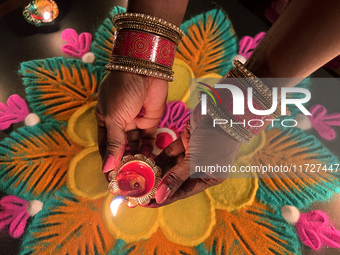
{"points": [[170, 10]]}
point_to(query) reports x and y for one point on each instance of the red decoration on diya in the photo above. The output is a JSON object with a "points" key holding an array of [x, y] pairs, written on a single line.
{"points": [[134, 180], [145, 46]]}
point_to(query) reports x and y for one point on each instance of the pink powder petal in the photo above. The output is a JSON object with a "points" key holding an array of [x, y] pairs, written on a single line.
{"points": [[5, 219], [165, 117], [314, 231], [323, 122], [19, 106], [258, 38], [15, 111], [177, 111], [70, 35], [245, 45], [3, 108], [175, 116], [77, 46], [318, 112], [325, 131], [317, 217], [332, 119], [183, 122], [17, 225], [85, 40], [248, 44], [71, 49], [331, 237], [310, 238], [13, 213]]}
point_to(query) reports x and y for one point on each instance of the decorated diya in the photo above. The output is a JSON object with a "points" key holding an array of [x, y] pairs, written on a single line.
{"points": [[41, 12], [134, 181]]}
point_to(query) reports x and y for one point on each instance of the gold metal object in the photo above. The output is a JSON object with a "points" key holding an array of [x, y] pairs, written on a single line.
{"points": [[142, 200]]}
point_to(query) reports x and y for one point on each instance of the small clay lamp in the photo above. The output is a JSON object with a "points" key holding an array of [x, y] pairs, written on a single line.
{"points": [[135, 180], [41, 12]]}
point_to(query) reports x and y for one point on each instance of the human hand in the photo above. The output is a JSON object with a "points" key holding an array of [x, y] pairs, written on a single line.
{"points": [[129, 108], [175, 162]]}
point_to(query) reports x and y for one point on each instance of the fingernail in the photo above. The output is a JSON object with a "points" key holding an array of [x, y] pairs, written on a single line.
{"points": [[163, 192], [108, 163]]}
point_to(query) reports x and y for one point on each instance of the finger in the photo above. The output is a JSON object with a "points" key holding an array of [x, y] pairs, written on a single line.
{"points": [[101, 132], [173, 179], [115, 144], [170, 152], [172, 163], [186, 135], [189, 188], [134, 141], [148, 141]]}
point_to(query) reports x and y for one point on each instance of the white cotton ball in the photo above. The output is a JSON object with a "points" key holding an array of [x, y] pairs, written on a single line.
{"points": [[34, 207], [32, 119], [303, 122], [88, 57], [239, 58], [290, 213]]}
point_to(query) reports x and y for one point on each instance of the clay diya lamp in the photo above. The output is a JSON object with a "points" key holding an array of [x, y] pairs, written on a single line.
{"points": [[134, 181], [41, 12]]}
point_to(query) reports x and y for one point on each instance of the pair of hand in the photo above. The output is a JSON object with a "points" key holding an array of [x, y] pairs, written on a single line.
{"points": [[129, 108]]}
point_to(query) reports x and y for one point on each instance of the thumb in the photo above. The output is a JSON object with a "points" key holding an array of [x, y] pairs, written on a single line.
{"points": [[173, 180], [115, 143]]}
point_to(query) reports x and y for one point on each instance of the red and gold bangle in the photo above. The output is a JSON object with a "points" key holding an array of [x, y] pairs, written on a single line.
{"points": [[145, 46]]}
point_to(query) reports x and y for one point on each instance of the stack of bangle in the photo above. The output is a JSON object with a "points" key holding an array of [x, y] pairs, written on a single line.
{"points": [[145, 45], [262, 96], [262, 93], [240, 133]]}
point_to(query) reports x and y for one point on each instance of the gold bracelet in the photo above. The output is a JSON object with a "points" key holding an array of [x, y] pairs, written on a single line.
{"points": [[149, 20], [139, 70], [264, 102], [236, 132], [257, 83], [151, 28], [257, 96], [129, 61]]}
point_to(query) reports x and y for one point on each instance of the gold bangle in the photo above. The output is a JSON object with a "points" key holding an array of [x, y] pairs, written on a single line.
{"points": [[256, 82], [216, 113], [150, 20], [139, 70], [124, 60], [151, 28], [257, 96], [263, 101]]}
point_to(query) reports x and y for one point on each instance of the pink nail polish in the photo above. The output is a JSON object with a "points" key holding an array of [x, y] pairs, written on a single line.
{"points": [[108, 163], [162, 193]]}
